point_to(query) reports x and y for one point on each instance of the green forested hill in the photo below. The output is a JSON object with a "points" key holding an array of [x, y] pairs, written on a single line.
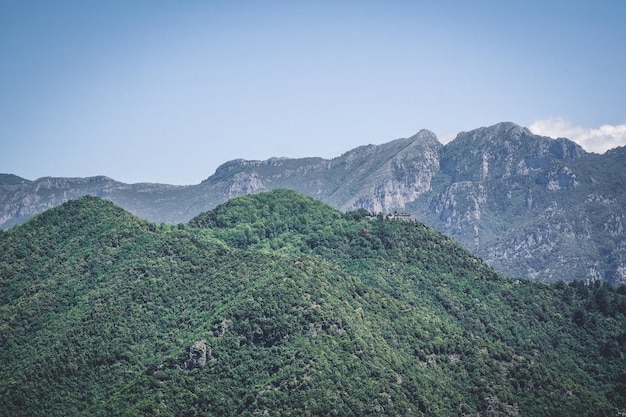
{"points": [[276, 304]]}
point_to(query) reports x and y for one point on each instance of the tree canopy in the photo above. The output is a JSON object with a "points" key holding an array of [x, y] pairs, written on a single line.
{"points": [[276, 304]]}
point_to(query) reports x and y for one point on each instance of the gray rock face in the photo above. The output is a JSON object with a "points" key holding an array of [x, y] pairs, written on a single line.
{"points": [[530, 205], [197, 355]]}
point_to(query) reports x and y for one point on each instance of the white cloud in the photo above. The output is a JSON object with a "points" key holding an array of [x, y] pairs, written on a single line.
{"points": [[593, 140]]}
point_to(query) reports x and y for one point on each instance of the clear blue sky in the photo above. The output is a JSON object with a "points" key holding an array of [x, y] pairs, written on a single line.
{"points": [[165, 91]]}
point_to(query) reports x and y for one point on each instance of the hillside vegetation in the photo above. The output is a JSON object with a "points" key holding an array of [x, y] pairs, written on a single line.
{"points": [[276, 304]]}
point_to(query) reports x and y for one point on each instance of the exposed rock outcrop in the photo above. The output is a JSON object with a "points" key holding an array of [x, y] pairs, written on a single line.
{"points": [[199, 351]]}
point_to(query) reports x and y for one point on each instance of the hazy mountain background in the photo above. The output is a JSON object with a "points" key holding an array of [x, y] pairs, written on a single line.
{"points": [[529, 205], [277, 304]]}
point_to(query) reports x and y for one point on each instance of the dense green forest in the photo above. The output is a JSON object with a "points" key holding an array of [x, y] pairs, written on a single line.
{"points": [[276, 304]]}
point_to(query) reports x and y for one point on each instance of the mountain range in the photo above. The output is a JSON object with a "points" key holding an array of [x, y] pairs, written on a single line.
{"points": [[277, 304], [529, 205]]}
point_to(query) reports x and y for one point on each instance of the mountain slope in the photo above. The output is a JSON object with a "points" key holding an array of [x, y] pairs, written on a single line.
{"points": [[531, 206], [277, 304]]}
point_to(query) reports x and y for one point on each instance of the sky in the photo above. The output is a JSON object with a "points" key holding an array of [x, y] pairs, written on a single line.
{"points": [[166, 91]]}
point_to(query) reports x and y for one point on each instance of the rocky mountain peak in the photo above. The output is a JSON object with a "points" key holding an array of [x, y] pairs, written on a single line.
{"points": [[505, 132], [425, 135], [502, 151], [229, 168], [508, 128]]}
